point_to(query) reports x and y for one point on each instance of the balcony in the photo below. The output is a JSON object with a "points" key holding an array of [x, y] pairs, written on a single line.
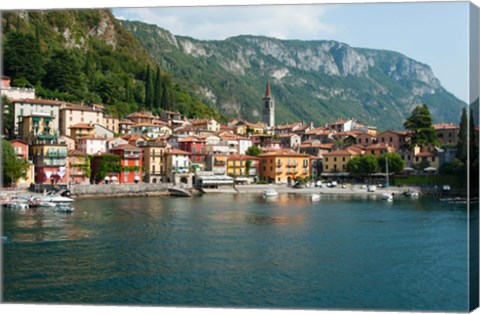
{"points": [[292, 165], [291, 171], [279, 170], [42, 161], [131, 155]]}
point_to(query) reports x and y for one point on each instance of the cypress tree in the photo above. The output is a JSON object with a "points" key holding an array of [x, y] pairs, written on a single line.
{"points": [[148, 89], [462, 137], [420, 122], [157, 97]]}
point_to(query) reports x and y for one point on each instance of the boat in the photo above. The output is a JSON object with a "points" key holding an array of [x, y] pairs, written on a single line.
{"points": [[270, 193], [56, 199], [412, 193], [315, 197], [15, 204], [387, 196]]}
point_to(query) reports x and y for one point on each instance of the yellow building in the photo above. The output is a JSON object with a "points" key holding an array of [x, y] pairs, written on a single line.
{"points": [[336, 161], [153, 160], [284, 166], [34, 125], [243, 165], [80, 130]]}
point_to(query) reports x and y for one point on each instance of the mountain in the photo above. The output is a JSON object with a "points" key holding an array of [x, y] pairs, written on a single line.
{"points": [[317, 81], [86, 56]]}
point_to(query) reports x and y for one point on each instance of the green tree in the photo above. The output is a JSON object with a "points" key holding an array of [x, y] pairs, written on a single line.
{"points": [[168, 97], [8, 117], [253, 150], [420, 122], [462, 145], [395, 162], [14, 168], [63, 73], [149, 89], [158, 91], [23, 58], [363, 165]]}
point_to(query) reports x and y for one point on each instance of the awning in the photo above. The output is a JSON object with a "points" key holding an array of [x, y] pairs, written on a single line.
{"points": [[241, 179], [430, 169], [48, 174], [137, 178], [114, 178], [408, 169], [106, 179]]}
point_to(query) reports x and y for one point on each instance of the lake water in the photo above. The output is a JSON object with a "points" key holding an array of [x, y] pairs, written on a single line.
{"points": [[241, 251]]}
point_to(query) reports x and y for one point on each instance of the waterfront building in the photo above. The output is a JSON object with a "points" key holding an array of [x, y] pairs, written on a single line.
{"points": [[243, 168], [447, 133], [71, 115], [337, 160], [153, 159], [105, 168], [130, 162], [32, 107], [216, 163], [124, 126], [36, 124], [111, 123], [78, 167], [21, 149], [91, 144], [284, 166], [195, 146], [50, 160], [177, 167], [210, 180], [80, 130], [268, 109]]}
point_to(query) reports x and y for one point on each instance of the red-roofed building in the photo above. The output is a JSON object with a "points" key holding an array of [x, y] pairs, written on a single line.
{"points": [[78, 167], [447, 133], [130, 161], [195, 146]]}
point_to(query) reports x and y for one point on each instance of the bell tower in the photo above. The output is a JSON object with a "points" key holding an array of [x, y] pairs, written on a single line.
{"points": [[268, 107]]}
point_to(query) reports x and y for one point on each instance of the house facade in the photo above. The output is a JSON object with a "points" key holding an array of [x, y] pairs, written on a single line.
{"points": [[130, 162], [283, 166]]}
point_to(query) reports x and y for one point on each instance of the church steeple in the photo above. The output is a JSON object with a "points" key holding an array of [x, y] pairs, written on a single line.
{"points": [[268, 92], [268, 107]]}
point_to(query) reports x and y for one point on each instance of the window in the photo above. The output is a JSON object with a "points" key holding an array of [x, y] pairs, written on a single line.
{"points": [[343, 158], [326, 167], [391, 139], [334, 158]]}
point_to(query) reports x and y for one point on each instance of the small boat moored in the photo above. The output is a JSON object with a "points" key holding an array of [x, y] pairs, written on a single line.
{"points": [[315, 197], [387, 196], [270, 193]]}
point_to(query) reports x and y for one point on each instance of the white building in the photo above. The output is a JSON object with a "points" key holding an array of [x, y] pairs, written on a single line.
{"points": [[71, 114], [29, 107], [91, 145]]}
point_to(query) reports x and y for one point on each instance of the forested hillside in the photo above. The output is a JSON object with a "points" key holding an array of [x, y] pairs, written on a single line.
{"points": [[86, 56]]}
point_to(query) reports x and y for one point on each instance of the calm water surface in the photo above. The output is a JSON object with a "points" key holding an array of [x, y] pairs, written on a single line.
{"points": [[241, 251]]}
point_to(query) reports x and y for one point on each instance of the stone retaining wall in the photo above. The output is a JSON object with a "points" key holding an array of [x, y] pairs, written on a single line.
{"points": [[119, 190]]}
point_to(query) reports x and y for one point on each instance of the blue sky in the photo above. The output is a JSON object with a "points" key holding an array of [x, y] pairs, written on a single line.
{"points": [[432, 33]]}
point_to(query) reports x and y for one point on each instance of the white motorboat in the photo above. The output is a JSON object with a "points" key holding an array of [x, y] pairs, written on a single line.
{"points": [[270, 193], [412, 193], [315, 197], [387, 196], [15, 204], [55, 199]]}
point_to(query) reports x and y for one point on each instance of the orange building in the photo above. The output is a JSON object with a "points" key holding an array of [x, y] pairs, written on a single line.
{"points": [[131, 163], [284, 166]]}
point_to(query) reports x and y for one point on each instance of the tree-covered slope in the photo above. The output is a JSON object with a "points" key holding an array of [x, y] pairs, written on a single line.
{"points": [[86, 56], [311, 80]]}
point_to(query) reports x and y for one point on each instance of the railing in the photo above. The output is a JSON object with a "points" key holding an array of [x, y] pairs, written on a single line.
{"points": [[291, 165], [279, 170]]}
